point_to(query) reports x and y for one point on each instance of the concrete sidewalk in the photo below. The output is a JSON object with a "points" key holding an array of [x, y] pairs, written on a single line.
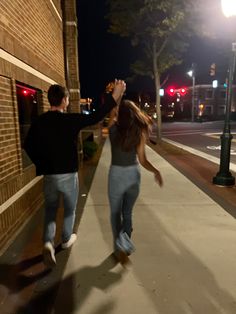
{"points": [[185, 252]]}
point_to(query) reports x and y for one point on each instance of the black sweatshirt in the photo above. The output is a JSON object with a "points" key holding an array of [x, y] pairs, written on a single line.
{"points": [[51, 142]]}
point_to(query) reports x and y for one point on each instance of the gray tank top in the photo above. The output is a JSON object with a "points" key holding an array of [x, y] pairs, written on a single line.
{"points": [[119, 157]]}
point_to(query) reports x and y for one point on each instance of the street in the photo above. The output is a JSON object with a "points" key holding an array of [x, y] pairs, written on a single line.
{"points": [[204, 137]]}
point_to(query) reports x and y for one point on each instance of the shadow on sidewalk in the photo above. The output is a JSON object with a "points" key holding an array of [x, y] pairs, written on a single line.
{"points": [[75, 289], [19, 282], [177, 279], [13, 278], [181, 280], [17, 279], [199, 171]]}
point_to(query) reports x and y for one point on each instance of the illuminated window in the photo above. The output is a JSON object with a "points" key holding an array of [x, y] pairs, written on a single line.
{"points": [[27, 102]]}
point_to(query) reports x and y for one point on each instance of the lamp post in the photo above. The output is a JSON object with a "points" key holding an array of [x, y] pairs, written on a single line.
{"points": [[192, 73], [224, 176]]}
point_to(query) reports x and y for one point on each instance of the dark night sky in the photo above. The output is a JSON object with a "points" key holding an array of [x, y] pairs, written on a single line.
{"points": [[103, 56]]}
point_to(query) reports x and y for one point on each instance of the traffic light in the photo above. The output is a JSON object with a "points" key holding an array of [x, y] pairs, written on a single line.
{"points": [[183, 91], [226, 82], [212, 69], [171, 91]]}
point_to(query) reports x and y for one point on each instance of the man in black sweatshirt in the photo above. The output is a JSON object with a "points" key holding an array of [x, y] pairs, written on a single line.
{"points": [[51, 144]]}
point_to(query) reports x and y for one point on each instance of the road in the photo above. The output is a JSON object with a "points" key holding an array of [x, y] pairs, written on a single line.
{"points": [[204, 137]]}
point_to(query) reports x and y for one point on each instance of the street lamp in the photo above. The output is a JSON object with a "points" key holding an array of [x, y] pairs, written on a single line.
{"points": [[228, 7], [192, 73], [224, 176]]}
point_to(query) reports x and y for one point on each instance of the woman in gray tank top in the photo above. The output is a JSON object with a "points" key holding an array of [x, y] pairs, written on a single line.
{"points": [[128, 129]]}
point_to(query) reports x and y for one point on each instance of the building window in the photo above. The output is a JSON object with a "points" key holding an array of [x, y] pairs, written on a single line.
{"points": [[208, 110], [27, 102], [209, 93], [221, 111], [223, 94]]}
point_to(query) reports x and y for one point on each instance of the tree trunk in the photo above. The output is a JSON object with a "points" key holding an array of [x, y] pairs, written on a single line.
{"points": [[158, 107], [157, 92]]}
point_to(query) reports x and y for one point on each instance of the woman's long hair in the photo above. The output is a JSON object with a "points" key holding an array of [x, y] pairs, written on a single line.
{"points": [[131, 124]]}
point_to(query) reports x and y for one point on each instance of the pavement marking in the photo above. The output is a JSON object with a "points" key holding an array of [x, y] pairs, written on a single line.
{"points": [[214, 147], [180, 133], [217, 135], [232, 151], [198, 153]]}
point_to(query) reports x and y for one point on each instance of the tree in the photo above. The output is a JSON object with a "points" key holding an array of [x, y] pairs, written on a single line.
{"points": [[160, 28]]}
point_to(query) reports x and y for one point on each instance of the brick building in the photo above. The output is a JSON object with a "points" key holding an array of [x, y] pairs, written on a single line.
{"points": [[38, 47]]}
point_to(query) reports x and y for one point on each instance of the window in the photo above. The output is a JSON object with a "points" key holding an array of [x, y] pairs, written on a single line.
{"points": [[27, 110], [208, 111], [209, 93], [223, 94], [221, 111]]}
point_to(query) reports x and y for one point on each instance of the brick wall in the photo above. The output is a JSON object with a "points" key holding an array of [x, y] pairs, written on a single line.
{"points": [[31, 31], [10, 162], [12, 176], [13, 219]]}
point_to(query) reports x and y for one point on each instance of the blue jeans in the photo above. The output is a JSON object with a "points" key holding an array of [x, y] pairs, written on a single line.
{"points": [[123, 190], [55, 185]]}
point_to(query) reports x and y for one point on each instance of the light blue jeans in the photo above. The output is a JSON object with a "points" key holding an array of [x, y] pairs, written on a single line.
{"points": [[55, 185], [123, 190]]}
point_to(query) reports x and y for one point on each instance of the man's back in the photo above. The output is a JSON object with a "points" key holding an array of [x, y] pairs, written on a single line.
{"points": [[51, 142], [54, 145]]}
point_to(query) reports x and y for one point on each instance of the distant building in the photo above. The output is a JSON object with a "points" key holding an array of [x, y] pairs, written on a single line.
{"points": [[209, 103], [38, 47]]}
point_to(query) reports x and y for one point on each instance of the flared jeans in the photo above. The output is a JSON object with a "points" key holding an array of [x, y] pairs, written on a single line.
{"points": [[123, 190]]}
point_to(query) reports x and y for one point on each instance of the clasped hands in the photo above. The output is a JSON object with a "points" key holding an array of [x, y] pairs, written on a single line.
{"points": [[119, 89]]}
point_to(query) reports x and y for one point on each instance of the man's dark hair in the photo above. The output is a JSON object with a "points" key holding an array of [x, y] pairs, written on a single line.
{"points": [[56, 93]]}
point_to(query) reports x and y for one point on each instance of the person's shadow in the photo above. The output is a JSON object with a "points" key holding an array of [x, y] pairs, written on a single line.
{"points": [[12, 275], [16, 280], [17, 277], [75, 289], [81, 284]]}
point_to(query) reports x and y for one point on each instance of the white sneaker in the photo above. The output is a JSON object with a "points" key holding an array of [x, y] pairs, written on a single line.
{"points": [[49, 258], [70, 242]]}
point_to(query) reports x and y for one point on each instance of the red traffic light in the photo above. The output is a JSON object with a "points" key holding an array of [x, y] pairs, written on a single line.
{"points": [[171, 91], [183, 91]]}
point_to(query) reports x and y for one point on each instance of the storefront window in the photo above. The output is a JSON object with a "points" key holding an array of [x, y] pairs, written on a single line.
{"points": [[27, 101]]}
